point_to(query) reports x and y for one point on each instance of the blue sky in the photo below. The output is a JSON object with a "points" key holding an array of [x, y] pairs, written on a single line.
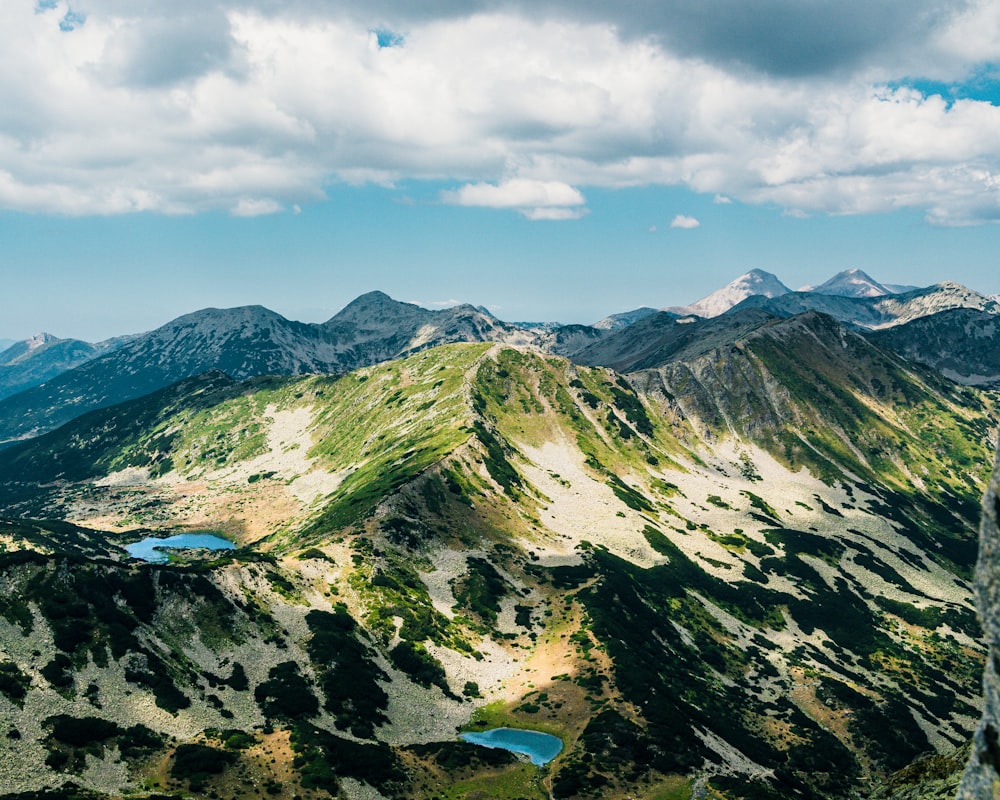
{"points": [[557, 161]]}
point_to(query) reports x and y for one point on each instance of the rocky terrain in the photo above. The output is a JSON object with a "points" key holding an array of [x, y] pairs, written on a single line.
{"points": [[716, 557], [961, 343], [672, 571]]}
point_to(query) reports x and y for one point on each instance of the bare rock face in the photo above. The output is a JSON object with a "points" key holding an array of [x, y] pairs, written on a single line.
{"points": [[982, 776]]}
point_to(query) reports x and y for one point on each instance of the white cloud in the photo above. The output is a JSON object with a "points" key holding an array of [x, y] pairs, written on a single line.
{"points": [[255, 207], [684, 222], [537, 200], [220, 104]]}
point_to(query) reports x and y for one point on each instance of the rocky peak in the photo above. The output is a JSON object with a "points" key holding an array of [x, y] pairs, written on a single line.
{"points": [[373, 306], [24, 348], [755, 283], [852, 283]]}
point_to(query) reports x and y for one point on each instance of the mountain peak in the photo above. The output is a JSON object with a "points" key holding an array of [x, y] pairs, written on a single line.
{"points": [[756, 282], [25, 348], [370, 306], [39, 339], [852, 283]]}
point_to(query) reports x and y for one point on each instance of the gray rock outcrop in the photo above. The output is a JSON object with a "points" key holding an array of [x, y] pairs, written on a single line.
{"points": [[982, 776]]}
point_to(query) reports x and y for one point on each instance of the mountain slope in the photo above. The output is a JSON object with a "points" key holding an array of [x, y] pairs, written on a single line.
{"points": [[374, 328], [481, 534], [244, 342], [663, 337], [961, 343]]}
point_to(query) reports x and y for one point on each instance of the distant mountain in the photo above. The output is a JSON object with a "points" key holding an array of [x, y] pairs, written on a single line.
{"points": [[375, 328], [246, 342], [877, 312], [566, 340], [623, 319], [755, 283], [35, 360], [663, 337], [5, 343], [961, 343], [852, 283]]}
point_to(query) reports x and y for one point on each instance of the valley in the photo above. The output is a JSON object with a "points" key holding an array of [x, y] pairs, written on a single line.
{"points": [[739, 567]]}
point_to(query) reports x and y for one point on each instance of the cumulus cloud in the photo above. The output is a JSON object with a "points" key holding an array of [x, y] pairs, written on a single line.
{"points": [[256, 106], [255, 207], [537, 200], [684, 222]]}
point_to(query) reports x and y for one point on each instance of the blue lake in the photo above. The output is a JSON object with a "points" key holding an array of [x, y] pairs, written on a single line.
{"points": [[151, 549], [541, 748]]}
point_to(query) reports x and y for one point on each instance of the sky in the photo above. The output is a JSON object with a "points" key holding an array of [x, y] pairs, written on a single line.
{"points": [[550, 160]]}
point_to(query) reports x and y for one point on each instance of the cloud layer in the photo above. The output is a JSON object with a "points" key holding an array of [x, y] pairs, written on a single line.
{"points": [[116, 106]]}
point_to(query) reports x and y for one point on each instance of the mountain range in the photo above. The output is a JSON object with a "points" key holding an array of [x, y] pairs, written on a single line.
{"points": [[43, 386], [718, 556]]}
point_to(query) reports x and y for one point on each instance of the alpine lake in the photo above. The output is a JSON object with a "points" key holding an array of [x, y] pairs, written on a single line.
{"points": [[154, 550], [539, 747]]}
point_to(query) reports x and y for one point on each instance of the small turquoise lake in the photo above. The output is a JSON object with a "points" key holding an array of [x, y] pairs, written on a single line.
{"points": [[541, 748], [151, 549]]}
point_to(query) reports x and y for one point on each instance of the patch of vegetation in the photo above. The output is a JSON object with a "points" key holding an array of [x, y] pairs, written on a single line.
{"points": [[346, 672], [630, 496], [157, 677], [286, 694], [481, 589], [314, 553], [14, 684], [496, 461], [626, 400], [413, 659], [196, 763], [73, 738], [321, 758], [794, 543], [929, 618], [454, 756], [758, 502]]}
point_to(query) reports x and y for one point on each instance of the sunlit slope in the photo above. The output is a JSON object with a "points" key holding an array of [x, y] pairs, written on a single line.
{"points": [[649, 575], [816, 395], [199, 451]]}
